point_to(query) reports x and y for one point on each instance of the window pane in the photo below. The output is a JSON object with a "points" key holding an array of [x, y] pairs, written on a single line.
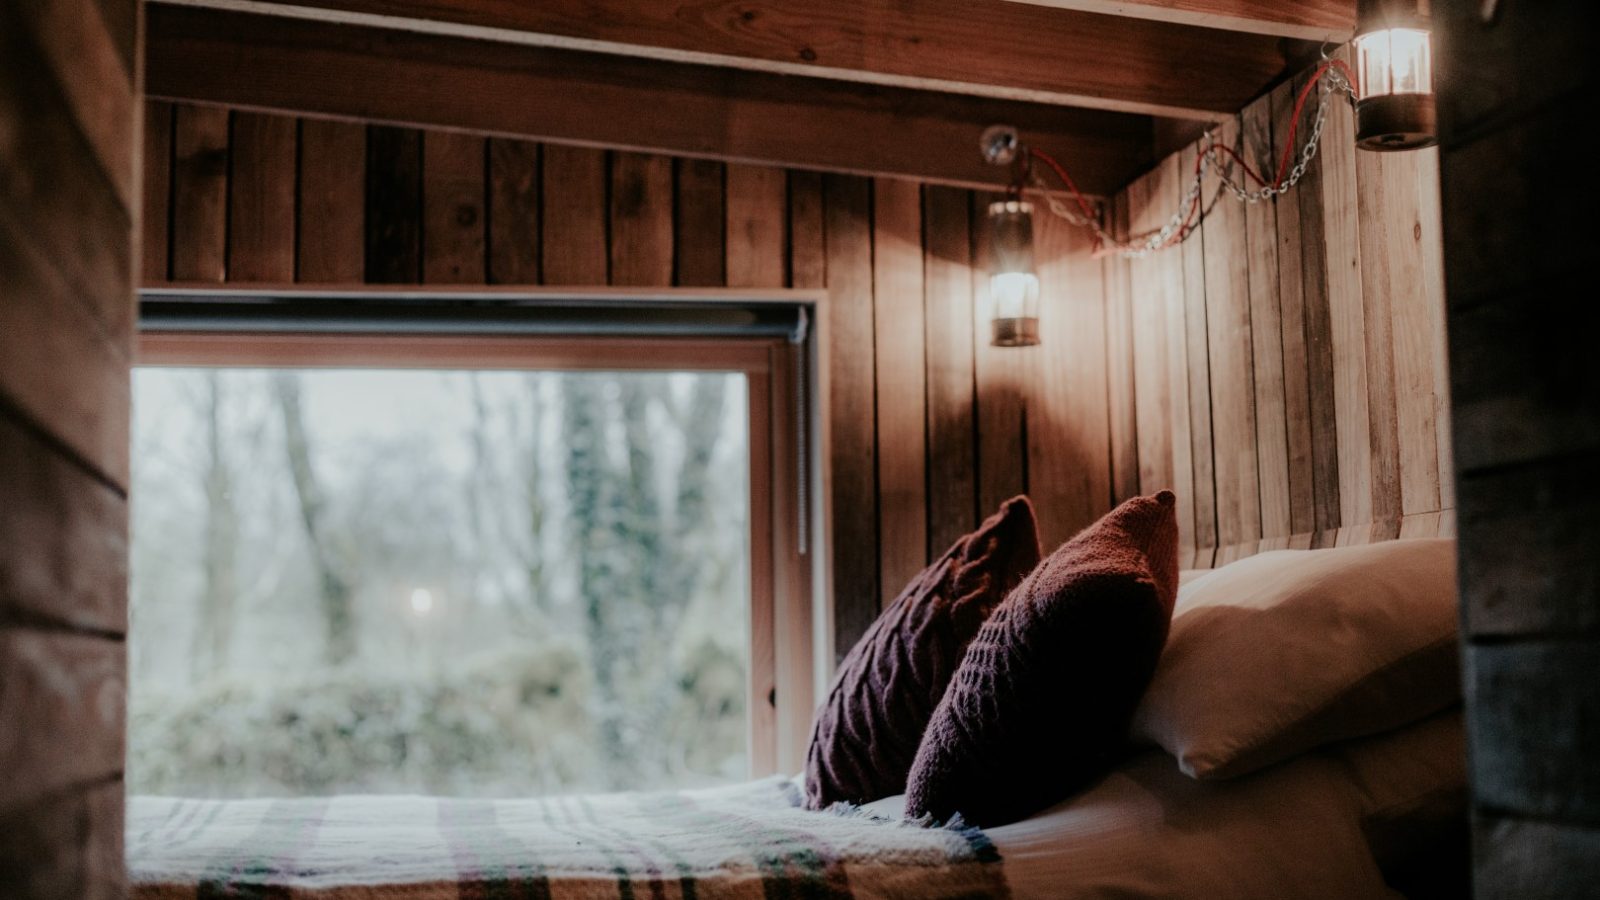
{"points": [[475, 583]]}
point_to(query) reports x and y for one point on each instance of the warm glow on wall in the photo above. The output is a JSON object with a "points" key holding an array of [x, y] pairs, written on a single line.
{"points": [[1013, 282]]}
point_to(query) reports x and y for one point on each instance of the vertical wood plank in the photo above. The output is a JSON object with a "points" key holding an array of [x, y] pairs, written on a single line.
{"points": [[807, 255], [333, 175], [200, 194], [764, 641], [261, 198], [1320, 386], [999, 373], [852, 451], [898, 339], [1195, 326], [755, 225], [1266, 329], [641, 220], [454, 167], [513, 231], [1342, 248], [573, 220], [155, 218], [1432, 242], [1150, 294], [947, 283], [1118, 359], [1171, 181], [1292, 332], [1228, 340], [699, 218], [1068, 432], [394, 205]]}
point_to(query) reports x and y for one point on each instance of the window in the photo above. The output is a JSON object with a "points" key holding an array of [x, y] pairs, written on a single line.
{"points": [[461, 565]]}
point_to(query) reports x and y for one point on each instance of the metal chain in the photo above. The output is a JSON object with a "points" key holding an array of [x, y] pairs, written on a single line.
{"points": [[1333, 82]]}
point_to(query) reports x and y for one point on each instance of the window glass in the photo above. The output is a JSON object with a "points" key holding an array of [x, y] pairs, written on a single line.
{"points": [[454, 582]]}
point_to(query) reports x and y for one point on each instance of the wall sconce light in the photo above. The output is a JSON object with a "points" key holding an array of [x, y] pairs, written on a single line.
{"points": [[1013, 282], [1394, 73]]}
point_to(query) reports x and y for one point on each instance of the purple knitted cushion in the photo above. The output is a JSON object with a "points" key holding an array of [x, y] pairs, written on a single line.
{"points": [[867, 730], [1041, 704]]}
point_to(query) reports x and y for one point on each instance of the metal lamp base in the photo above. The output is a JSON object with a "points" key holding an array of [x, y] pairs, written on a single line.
{"points": [[1014, 332], [1396, 122]]}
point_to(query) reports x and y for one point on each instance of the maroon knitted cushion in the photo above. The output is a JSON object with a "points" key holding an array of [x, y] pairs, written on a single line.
{"points": [[866, 732], [1041, 704]]}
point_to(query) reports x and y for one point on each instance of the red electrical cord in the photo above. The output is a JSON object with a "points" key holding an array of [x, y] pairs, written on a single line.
{"points": [[1194, 207]]}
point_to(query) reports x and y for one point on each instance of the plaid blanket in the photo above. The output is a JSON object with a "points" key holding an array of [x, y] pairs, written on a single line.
{"points": [[750, 840]]}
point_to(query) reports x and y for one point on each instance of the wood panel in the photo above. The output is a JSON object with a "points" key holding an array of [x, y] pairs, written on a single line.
{"points": [[852, 411], [755, 226], [200, 194], [602, 99], [261, 198], [573, 220], [982, 47], [1119, 362], [1000, 376], [641, 219], [947, 291], [454, 235], [332, 235], [513, 211], [154, 219], [1304, 333], [699, 218], [900, 376], [1320, 20], [394, 205]]}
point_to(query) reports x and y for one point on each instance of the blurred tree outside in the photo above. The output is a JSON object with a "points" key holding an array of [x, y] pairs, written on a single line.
{"points": [[472, 583]]}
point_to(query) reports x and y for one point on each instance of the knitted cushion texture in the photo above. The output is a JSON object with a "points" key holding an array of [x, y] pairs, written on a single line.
{"points": [[1040, 705], [866, 732]]}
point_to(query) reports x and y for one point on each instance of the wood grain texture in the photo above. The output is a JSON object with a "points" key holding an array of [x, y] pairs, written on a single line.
{"points": [[763, 681], [332, 208], [755, 227], [56, 514], [1068, 425], [1196, 345], [899, 355], [985, 46], [641, 219], [66, 844], [794, 610], [699, 218], [394, 205], [1000, 374], [154, 218], [847, 235], [573, 195], [454, 194], [1292, 332], [70, 690], [513, 212], [1321, 20], [947, 293], [1228, 349], [1119, 363], [602, 99], [261, 198], [200, 194], [1266, 330], [807, 253]]}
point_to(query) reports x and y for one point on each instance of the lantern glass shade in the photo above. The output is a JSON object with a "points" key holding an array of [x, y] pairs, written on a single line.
{"points": [[1013, 281], [1394, 61]]}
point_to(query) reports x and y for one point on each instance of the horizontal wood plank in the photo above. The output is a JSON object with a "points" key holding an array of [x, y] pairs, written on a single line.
{"points": [[596, 99], [65, 536], [70, 691], [986, 48], [1311, 20]]}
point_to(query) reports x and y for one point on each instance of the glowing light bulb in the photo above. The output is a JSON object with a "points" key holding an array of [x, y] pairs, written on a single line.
{"points": [[1394, 61], [421, 601], [1013, 284]]}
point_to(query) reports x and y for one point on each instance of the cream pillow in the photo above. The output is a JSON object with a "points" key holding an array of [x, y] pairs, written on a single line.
{"points": [[1288, 650]]}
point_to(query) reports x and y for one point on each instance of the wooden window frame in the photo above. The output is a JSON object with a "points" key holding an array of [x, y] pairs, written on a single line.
{"points": [[790, 604]]}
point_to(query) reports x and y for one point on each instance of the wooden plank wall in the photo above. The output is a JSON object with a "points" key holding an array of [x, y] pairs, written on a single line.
{"points": [[931, 428], [1288, 361], [68, 197], [1525, 383]]}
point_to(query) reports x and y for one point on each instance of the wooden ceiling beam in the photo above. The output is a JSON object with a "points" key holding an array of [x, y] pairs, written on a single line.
{"points": [[1309, 20], [989, 48], [566, 96]]}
